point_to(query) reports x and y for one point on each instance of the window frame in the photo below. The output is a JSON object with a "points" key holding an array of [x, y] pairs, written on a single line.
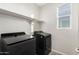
{"points": [[70, 26]]}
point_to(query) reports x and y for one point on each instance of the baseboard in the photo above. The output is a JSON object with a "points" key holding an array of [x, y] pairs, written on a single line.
{"points": [[58, 52]]}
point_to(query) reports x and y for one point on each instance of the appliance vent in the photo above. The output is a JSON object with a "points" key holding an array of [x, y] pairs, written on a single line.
{"points": [[77, 49]]}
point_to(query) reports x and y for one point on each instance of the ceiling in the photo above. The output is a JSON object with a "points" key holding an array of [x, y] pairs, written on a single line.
{"points": [[40, 4]]}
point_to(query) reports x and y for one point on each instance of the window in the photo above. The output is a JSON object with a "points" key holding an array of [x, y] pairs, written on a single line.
{"points": [[64, 16]]}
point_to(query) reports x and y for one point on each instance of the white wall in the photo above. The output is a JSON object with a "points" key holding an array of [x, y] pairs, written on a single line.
{"points": [[26, 9], [13, 24], [37, 26], [10, 23], [63, 40], [78, 27]]}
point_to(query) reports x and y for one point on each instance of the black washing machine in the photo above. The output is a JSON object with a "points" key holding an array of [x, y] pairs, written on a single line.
{"points": [[43, 43]]}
